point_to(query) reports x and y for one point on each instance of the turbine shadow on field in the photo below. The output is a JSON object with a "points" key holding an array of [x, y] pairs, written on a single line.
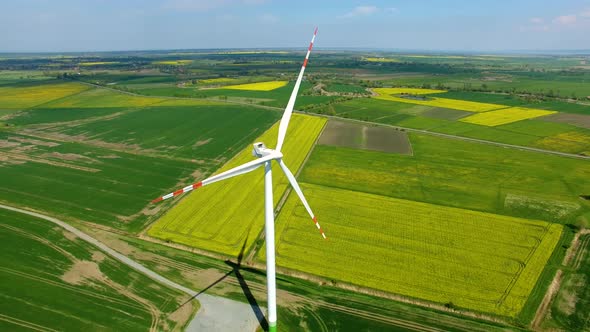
{"points": [[251, 299], [236, 267]]}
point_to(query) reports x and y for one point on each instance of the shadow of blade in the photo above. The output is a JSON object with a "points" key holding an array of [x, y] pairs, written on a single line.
{"points": [[204, 290]]}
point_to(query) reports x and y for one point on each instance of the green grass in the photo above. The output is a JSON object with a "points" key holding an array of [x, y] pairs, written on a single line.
{"points": [[53, 281], [225, 216], [479, 261], [460, 174], [345, 88]]}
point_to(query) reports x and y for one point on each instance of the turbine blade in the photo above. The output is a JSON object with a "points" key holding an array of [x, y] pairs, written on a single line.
{"points": [[245, 168], [289, 109], [297, 189]]}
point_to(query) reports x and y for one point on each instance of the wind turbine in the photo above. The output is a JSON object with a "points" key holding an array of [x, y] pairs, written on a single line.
{"points": [[265, 157]]}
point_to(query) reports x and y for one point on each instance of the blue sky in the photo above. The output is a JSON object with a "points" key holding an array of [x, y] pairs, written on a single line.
{"points": [[469, 25]]}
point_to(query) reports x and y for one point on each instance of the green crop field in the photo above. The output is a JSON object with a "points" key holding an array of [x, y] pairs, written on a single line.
{"points": [[225, 216], [104, 164], [51, 280], [102, 98], [460, 174], [205, 131], [84, 182], [474, 260]]}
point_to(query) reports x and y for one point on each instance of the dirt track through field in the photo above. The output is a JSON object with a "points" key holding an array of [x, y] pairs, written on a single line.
{"points": [[216, 313]]}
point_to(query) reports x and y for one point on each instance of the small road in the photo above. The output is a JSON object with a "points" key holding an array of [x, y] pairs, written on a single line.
{"points": [[422, 131], [216, 313]]}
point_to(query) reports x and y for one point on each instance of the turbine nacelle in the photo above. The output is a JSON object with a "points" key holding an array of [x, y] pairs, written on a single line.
{"points": [[260, 150]]}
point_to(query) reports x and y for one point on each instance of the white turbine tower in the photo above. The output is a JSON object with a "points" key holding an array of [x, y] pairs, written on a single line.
{"points": [[265, 156]]}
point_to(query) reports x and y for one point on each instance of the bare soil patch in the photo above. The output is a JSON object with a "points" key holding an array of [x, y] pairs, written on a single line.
{"points": [[578, 120], [360, 136], [23, 158], [182, 314], [32, 141], [68, 157], [445, 114], [202, 142], [70, 236], [82, 271], [98, 256]]}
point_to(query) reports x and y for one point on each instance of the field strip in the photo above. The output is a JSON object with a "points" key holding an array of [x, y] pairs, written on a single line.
{"points": [[576, 248], [215, 311], [427, 132], [23, 323]]}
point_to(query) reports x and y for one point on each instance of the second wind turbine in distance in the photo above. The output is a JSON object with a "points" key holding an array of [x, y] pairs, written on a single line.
{"points": [[265, 157]]}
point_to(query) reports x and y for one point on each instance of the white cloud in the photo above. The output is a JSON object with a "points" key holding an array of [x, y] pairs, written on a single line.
{"points": [[536, 27], [269, 18], [361, 11], [565, 19], [536, 20], [585, 13]]}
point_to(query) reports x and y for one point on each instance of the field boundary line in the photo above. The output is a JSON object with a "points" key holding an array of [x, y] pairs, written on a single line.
{"points": [[23, 323]]}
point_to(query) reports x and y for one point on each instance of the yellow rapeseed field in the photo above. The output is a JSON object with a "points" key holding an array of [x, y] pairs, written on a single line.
{"points": [[506, 115], [173, 62], [462, 105], [260, 86], [26, 97], [97, 63], [479, 261], [226, 215], [217, 80], [410, 91], [380, 59]]}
